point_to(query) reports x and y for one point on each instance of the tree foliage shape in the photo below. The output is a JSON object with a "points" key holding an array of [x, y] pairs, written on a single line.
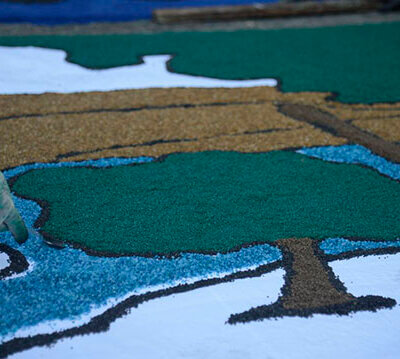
{"points": [[213, 202]]}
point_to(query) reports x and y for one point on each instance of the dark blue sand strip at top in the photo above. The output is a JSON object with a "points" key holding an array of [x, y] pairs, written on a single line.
{"points": [[53, 12]]}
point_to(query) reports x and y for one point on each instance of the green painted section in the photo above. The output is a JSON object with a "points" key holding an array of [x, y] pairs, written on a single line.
{"points": [[213, 201], [361, 63]]}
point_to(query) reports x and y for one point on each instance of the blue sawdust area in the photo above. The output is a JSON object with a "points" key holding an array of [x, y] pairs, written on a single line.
{"points": [[52, 12]]}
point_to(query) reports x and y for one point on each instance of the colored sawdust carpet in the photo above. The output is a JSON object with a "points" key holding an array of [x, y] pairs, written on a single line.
{"points": [[202, 194]]}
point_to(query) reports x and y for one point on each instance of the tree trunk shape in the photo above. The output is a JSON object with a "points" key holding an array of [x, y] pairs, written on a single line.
{"points": [[310, 287], [311, 282]]}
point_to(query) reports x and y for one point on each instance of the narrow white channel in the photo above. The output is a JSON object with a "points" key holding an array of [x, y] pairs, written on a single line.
{"points": [[4, 260]]}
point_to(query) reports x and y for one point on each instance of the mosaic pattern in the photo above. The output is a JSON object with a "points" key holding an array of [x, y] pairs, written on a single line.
{"points": [[167, 272], [65, 153]]}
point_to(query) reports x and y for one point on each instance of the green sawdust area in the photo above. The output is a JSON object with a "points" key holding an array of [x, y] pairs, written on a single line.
{"points": [[212, 202], [360, 63]]}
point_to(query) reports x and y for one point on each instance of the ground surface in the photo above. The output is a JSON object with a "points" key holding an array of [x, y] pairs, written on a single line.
{"points": [[205, 194]]}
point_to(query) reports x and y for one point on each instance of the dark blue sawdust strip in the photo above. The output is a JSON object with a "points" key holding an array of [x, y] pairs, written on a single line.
{"points": [[52, 12]]}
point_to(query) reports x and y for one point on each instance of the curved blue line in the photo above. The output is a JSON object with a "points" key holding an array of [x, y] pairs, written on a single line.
{"points": [[354, 154]]}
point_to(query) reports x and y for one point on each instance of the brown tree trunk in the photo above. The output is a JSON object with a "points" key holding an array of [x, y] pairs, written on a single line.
{"points": [[310, 287], [311, 283]]}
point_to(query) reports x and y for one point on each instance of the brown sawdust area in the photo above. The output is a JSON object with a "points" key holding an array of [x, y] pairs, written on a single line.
{"points": [[309, 284], [154, 122]]}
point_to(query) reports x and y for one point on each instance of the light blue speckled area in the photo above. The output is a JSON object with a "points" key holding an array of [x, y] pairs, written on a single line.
{"points": [[102, 162], [354, 154], [335, 246], [66, 283]]}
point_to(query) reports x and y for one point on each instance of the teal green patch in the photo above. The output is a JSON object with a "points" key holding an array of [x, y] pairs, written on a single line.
{"points": [[361, 63], [213, 201]]}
